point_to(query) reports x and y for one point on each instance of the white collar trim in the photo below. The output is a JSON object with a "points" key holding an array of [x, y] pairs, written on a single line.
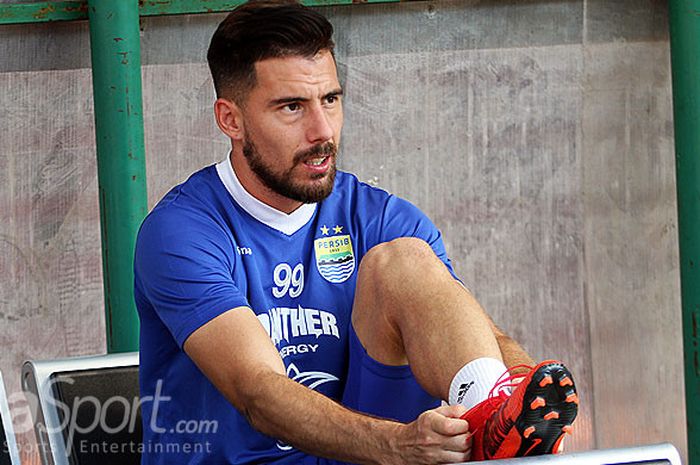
{"points": [[287, 224]]}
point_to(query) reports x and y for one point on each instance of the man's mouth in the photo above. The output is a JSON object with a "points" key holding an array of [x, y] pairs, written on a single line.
{"points": [[317, 155], [316, 161]]}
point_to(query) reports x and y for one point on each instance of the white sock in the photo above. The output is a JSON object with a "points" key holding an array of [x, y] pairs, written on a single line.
{"points": [[472, 384]]}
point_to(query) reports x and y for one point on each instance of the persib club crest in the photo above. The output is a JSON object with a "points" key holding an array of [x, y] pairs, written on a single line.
{"points": [[334, 258]]}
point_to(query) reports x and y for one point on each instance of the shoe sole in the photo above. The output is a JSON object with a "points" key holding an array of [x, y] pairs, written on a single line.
{"points": [[550, 405]]}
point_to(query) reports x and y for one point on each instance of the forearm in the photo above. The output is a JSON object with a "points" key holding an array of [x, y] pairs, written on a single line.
{"points": [[312, 422], [252, 377]]}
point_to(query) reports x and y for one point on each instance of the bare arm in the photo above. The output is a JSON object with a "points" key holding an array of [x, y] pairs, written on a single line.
{"points": [[236, 354]]}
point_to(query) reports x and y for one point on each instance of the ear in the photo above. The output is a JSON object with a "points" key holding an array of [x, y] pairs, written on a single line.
{"points": [[229, 118]]}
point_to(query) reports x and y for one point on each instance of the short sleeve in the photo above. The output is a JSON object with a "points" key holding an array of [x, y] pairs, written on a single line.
{"points": [[403, 219], [183, 270]]}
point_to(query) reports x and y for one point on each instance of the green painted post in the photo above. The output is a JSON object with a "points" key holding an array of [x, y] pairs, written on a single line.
{"points": [[121, 168], [684, 18], [75, 10]]}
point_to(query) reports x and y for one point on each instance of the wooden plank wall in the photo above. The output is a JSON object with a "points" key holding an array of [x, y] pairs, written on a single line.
{"points": [[537, 135]]}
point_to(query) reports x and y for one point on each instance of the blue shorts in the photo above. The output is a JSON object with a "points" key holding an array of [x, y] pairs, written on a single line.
{"points": [[379, 390]]}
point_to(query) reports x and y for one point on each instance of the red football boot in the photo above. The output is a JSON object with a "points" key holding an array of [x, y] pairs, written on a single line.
{"points": [[531, 421]]}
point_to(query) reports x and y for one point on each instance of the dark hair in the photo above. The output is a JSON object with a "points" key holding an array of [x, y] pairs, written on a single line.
{"points": [[258, 30]]}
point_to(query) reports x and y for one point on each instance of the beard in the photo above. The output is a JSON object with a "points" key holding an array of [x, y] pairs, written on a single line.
{"points": [[283, 183]]}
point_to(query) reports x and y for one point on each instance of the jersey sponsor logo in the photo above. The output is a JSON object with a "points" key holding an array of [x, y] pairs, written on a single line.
{"points": [[298, 349], [335, 259], [310, 379], [285, 323]]}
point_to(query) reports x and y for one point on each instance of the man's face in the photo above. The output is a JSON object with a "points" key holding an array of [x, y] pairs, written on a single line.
{"points": [[292, 119]]}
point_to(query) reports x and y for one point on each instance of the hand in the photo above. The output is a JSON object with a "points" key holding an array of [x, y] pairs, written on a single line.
{"points": [[436, 436]]}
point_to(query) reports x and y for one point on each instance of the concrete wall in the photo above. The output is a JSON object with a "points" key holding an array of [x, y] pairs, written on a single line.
{"points": [[537, 135]]}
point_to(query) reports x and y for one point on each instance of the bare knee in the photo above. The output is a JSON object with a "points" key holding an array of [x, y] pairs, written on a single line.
{"points": [[400, 258], [392, 271], [392, 275]]}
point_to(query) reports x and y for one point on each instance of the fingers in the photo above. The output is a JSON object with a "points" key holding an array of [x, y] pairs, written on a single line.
{"points": [[454, 431], [459, 443], [445, 420], [439, 436], [454, 457], [452, 411], [456, 449]]}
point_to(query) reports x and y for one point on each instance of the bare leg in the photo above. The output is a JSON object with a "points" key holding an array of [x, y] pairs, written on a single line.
{"points": [[409, 310]]}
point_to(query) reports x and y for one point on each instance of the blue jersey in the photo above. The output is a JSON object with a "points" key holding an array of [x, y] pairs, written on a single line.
{"points": [[209, 247]]}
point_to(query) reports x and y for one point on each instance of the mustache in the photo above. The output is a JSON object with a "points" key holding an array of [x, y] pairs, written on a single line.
{"points": [[324, 150]]}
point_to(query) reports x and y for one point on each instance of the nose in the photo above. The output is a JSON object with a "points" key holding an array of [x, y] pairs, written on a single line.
{"points": [[319, 126]]}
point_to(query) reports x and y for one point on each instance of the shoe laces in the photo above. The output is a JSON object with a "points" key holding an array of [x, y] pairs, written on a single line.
{"points": [[499, 394], [502, 389]]}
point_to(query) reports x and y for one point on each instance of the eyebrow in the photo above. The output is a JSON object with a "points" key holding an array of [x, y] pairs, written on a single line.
{"points": [[285, 100]]}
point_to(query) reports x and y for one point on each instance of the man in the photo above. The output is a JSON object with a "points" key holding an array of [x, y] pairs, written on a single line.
{"points": [[303, 316]]}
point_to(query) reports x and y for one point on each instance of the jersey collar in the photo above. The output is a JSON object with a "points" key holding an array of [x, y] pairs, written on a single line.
{"points": [[287, 224]]}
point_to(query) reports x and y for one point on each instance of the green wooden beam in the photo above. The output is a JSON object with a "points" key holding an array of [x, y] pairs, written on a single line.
{"points": [[42, 12], [184, 7], [115, 44], [71, 10], [684, 18]]}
